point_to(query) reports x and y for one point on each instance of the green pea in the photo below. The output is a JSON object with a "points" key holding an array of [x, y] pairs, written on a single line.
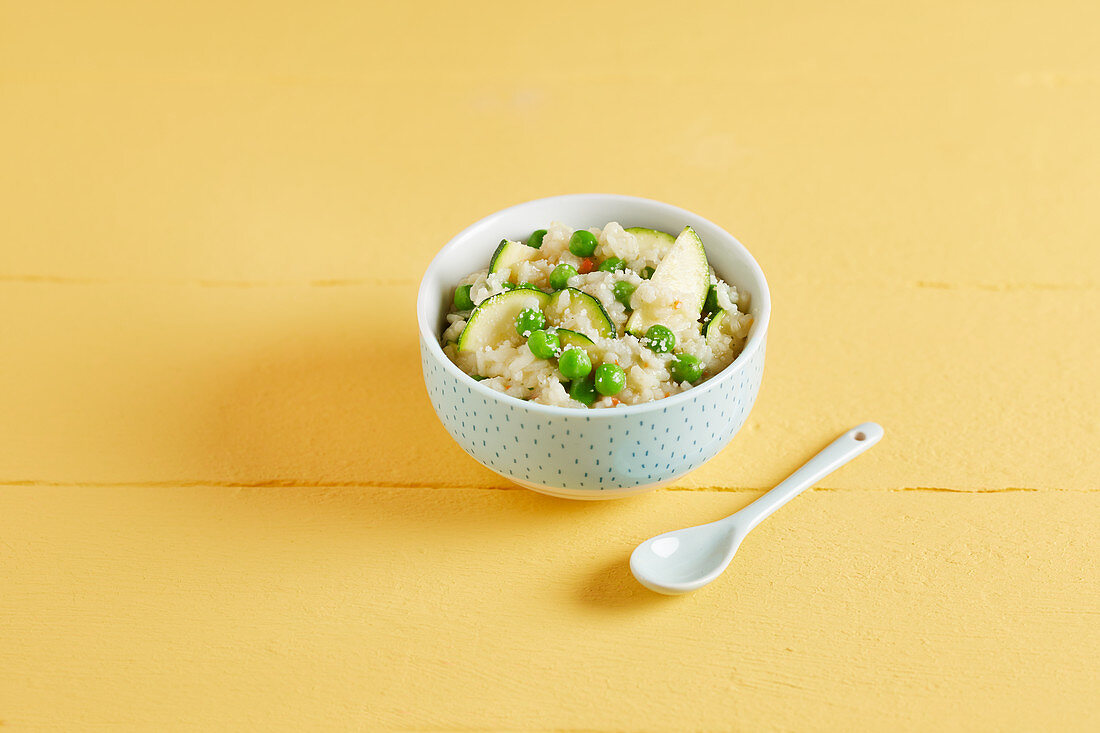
{"points": [[462, 298], [610, 379], [535, 240], [528, 320], [611, 264], [544, 344], [583, 243], [574, 364], [710, 305], [659, 339], [583, 390], [647, 272], [559, 277], [623, 292], [686, 368]]}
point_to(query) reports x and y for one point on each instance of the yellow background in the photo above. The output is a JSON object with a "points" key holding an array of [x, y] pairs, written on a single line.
{"points": [[225, 501]]}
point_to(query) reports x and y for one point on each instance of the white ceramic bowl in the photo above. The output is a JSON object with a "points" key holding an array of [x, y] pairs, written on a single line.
{"points": [[589, 454]]}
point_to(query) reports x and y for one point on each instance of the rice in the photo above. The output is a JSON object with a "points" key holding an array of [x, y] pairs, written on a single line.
{"points": [[509, 365]]}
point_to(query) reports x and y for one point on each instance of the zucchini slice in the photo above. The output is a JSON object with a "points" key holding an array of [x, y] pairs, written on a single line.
{"points": [[569, 338], [683, 271], [565, 304], [652, 244], [714, 326], [510, 253], [494, 321]]}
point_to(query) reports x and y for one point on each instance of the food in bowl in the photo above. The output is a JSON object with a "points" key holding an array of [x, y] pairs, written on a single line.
{"points": [[596, 318]]}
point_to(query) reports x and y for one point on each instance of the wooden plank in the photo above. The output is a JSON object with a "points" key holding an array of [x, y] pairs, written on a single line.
{"points": [[417, 609], [349, 160], [978, 390]]}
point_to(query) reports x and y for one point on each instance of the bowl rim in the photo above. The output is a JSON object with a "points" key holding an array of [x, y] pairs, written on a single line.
{"points": [[757, 332]]}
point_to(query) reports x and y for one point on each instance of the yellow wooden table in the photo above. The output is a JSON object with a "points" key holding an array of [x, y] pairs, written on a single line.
{"points": [[225, 500]]}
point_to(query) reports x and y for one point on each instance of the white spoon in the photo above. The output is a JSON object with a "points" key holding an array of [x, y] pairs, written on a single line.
{"points": [[687, 559]]}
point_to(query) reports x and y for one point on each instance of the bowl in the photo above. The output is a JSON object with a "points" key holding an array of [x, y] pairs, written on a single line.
{"points": [[602, 453]]}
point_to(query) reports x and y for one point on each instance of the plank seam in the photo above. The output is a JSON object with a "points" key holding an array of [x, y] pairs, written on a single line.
{"points": [[207, 282], [1007, 287], [286, 483]]}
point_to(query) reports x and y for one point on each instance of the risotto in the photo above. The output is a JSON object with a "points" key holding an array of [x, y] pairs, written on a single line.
{"points": [[596, 317]]}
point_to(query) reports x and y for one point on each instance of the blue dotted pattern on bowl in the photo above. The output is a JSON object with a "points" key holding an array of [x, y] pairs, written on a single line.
{"points": [[588, 451]]}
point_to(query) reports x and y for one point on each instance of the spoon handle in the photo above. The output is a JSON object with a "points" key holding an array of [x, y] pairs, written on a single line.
{"points": [[839, 452]]}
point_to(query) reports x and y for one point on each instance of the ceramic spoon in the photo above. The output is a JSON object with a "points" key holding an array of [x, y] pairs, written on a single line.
{"points": [[687, 559]]}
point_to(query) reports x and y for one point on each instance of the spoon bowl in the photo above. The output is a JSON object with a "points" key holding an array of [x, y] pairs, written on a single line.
{"points": [[685, 559]]}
